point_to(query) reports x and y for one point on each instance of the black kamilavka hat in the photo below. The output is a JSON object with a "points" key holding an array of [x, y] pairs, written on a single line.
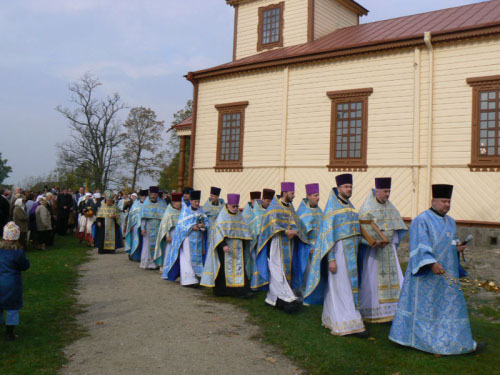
{"points": [[442, 191]]}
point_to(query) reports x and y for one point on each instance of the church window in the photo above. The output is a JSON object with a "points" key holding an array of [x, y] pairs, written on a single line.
{"points": [[230, 136], [485, 150], [348, 140], [270, 28]]}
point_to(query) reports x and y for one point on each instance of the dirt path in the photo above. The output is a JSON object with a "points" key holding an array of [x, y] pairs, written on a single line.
{"points": [[140, 324]]}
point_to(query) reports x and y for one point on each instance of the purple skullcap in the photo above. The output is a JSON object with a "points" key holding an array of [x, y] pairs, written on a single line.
{"points": [[287, 186], [312, 189], [233, 199], [255, 195], [383, 182], [442, 191], [215, 190], [268, 194], [343, 179], [176, 197], [154, 189]]}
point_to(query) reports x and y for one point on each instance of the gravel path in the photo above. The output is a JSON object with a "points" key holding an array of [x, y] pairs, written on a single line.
{"points": [[140, 324]]}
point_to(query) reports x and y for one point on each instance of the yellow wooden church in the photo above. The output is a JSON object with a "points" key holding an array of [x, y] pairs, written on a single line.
{"points": [[312, 92]]}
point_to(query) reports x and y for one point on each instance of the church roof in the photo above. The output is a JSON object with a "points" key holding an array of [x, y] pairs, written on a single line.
{"points": [[350, 4], [184, 124], [480, 19]]}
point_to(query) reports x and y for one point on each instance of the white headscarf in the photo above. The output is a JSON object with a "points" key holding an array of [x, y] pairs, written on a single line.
{"points": [[97, 195], [39, 198], [19, 202]]}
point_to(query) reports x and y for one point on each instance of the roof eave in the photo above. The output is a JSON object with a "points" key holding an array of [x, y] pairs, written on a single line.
{"points": [[449, 35]]}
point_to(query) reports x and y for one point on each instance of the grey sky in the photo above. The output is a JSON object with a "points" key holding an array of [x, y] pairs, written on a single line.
{"points": [[140, 49]]}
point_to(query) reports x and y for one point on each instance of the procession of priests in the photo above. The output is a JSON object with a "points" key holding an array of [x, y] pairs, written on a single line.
{"points": [[341, 258]]}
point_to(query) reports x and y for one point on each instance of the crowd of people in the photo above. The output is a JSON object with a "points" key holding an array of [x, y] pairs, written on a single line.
{"points": [[343, 259]]}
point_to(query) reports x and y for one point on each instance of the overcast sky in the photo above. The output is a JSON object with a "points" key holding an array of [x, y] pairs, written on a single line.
{"points": [[140, 49]]}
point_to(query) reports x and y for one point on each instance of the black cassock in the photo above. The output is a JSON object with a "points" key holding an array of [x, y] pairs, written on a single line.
{"points": [[63, 200]]}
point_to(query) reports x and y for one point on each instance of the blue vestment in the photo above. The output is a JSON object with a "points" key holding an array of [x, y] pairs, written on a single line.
{"points": [[340, 223], [248, 213], [311, 218], [188, 218], [168, 222], [133, 238], [431, 314], [276, 220], [235, 232], [153, 213]]}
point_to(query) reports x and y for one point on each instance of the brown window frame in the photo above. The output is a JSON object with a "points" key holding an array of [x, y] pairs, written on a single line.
{"points": [[348, 97], [483, 163], [261, 46], [224, 109]]}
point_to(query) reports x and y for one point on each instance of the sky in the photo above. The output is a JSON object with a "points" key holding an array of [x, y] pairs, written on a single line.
{"points": [[140, 49]]}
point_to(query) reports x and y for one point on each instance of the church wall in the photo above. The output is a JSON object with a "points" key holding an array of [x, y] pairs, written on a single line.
{"points": [[294, 103], [295, 25], [329, 16]]}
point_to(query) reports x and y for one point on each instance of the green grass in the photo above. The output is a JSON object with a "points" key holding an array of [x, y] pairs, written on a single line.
{"points": [[315, 349], [47, 321]]}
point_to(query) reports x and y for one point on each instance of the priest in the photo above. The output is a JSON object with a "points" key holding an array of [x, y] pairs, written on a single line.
{"points": [[333, 275], [152, 211], [107, 232], [380, 276], [310, 215], [133, 237], [282, 233], [213, 205], [228, 253], [248, 212], [167, 227], [432, 315], [185, 256], [259, 209]]}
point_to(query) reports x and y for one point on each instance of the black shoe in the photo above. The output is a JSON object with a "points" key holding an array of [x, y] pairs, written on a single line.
{"points": [[193, 286], [9, 330], [247, 295], [280, 304], [362, 335], [292, 307], [480, 347]]}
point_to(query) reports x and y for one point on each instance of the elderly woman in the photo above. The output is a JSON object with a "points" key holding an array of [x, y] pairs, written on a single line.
{"points": [[21, 220], [43, 224], [12, 263]]}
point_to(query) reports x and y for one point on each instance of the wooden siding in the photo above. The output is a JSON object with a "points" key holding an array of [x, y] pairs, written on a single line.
{"points": [[263, 117], [287, 126], [295, 25], [329, 16]]}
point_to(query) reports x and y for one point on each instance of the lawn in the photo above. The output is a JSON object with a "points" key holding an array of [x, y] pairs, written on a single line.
{"points": [[47, 322], [314, 348]]}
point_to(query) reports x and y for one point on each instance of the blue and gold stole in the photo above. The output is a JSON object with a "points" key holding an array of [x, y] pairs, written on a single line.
{"points": [[187, 219], [168, 222], [235, 232], [105, 212], [131, 237], [340, 223], [276, 220], [153, 213]]}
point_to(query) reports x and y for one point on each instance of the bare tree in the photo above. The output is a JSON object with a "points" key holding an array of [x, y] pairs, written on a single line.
{"points": [[95, 132], [143, 139]]}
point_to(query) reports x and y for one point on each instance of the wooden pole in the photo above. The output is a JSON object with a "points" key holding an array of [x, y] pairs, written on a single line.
{"points": [[182, 162]]}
